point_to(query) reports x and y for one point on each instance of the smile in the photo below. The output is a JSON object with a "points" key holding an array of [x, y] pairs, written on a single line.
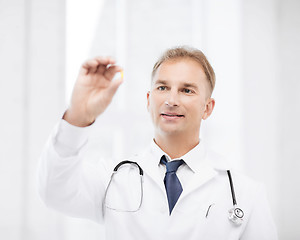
{"points": [[171, 115]]}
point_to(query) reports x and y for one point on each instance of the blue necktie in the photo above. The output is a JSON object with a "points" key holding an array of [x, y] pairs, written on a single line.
{"points": [[172, 183]]}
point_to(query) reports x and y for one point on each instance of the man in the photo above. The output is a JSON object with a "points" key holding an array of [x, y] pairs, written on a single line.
{"points": [[186, 191]]}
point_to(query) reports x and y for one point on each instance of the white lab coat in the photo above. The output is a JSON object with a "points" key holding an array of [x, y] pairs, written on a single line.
{"points": [[68, 185]]}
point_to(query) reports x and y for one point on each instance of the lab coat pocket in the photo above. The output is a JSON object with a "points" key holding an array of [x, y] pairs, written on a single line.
{"points": [[217, 217]]}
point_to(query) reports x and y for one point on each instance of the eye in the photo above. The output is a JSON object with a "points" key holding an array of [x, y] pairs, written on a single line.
{"points": [[188, 91], [161, 88]]}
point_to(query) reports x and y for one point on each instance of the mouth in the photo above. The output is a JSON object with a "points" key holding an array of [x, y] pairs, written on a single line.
{"points": [[171, 115]]}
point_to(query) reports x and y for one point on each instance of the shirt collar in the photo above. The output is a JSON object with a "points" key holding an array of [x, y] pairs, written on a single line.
{"points": [[195, 159]]}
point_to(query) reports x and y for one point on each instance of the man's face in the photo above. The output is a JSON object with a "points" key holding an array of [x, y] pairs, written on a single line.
{"points": [[179, 98]]}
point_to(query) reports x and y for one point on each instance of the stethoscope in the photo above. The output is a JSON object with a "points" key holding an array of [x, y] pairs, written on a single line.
{"points": [[236, 214]]}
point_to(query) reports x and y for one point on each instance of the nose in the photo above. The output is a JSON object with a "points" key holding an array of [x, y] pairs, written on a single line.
{"points": [[172, 99]]}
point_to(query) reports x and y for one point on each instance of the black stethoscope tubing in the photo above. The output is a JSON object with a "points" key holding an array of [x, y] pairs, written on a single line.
{"points": [[231, 188], [236, 213], [130, 162], [141, 172]]}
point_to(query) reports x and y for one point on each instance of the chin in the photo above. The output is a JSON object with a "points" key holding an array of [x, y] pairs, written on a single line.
{"points": [[170, 131]]}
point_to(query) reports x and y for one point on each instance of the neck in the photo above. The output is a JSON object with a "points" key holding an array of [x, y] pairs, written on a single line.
{"points": [[176, 146]]}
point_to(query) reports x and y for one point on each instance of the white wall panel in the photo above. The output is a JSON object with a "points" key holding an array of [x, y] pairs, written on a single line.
{"points": [[260, 96], [289, 117], [13, 110], [32, 99]]}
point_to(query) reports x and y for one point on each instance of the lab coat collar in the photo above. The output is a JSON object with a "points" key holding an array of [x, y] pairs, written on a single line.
{"points": [[204, 163], [218, 162], [151, 167], [197, 159], [192, 158]]}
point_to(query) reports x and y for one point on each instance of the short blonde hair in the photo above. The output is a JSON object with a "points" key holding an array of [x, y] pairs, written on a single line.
{"points": [[191, 53]]}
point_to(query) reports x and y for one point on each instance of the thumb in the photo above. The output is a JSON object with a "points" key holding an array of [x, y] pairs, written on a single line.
{"points": [[114, 86]]}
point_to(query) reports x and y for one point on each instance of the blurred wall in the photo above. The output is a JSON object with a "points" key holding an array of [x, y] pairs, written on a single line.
{"points": [[32, 90], [289, 115], [271, 111]]}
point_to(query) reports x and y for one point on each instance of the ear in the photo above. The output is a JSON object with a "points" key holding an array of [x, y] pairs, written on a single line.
{"points": [[148, 100], [209, 107]]}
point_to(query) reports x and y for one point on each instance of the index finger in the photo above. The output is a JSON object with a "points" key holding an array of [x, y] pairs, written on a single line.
{"points": [[89, 66], [105, 60], [96, 63], [104, 64]]}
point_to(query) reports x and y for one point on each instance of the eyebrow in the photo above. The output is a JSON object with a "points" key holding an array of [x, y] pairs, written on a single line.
{"points": [[187, 85], [190, 85], [160, 82]]}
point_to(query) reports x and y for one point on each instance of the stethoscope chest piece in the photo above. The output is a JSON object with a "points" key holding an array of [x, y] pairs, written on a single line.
{"points": [[236, 215]]}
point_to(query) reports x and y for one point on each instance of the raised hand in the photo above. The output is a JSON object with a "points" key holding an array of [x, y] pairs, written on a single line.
{"points": [[93, 91]]}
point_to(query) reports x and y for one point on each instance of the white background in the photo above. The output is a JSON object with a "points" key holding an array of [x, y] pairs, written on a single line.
{"points": [[253, 46]]}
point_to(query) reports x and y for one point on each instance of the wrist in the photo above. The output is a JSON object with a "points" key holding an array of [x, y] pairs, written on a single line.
{"points": [[77, 119]]}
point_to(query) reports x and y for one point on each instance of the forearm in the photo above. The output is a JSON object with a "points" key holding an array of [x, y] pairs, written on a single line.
{"points": [[66, 183]]}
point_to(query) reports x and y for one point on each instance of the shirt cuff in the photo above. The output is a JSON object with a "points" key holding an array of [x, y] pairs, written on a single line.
{"points": [[69, 139]]}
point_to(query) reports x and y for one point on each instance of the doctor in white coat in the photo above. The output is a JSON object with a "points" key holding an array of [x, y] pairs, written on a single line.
{"points": [[197, 199]]}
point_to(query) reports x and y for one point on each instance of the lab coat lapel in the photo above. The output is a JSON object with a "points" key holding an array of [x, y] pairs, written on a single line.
{"points": [[198, 179], [151, 169], [206, 169]]}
